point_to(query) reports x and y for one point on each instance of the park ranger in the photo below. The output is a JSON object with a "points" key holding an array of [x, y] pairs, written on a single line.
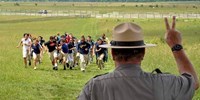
{"points": [[129, 82]]}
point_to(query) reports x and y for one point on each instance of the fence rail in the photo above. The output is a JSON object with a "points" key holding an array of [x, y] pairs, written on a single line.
{"points": [[96, 14]]}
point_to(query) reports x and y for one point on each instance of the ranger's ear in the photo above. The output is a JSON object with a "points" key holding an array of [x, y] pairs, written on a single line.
{"points": [[113, 56]]}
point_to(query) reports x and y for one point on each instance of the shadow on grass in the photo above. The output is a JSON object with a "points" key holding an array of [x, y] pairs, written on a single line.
{"points": [[60, 69]]}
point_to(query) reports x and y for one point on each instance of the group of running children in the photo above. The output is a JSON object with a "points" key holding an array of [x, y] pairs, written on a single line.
{"points": [[65, 49]]}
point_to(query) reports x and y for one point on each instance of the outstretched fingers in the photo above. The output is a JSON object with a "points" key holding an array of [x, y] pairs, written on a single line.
{"points": [[167, 24], [174, 22]]}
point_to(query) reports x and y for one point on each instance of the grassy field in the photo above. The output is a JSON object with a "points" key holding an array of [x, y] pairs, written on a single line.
{"points": [[160, 7], [17, 82]]}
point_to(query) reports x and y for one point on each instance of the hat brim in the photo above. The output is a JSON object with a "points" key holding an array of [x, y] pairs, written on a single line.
{"points": [[144, 46]]}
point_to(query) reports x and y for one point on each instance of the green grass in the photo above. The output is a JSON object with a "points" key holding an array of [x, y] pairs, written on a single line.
{"points": [[163, 7], [17, 82]]}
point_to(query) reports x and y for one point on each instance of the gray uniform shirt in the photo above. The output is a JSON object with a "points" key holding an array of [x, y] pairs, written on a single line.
{"points": [[129, 82]]}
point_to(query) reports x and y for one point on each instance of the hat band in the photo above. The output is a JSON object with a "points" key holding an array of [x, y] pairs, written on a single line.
{"points": [[122, 43]]}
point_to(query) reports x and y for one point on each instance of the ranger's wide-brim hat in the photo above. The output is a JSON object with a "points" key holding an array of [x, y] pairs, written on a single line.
{"points": [[127, 35]]}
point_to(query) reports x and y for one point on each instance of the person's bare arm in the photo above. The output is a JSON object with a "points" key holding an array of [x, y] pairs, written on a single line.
{"points": [[93, 50], [98, 50], [20, 43], [41, 48], [72, 48], [173, 37], [30, 44], [62, 52], [46, 48]]}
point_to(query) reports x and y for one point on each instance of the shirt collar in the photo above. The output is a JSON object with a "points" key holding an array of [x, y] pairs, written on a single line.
{"points": [[129, 68], [124, 66]]}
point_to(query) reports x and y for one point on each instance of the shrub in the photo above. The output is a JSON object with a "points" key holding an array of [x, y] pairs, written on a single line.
{"points": [[151, 6], [194, 7], [123, 5], [157, 5], [16, 4]]}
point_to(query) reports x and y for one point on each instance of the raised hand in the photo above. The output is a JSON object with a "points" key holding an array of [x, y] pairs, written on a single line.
{"points": [[172, 36]]}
